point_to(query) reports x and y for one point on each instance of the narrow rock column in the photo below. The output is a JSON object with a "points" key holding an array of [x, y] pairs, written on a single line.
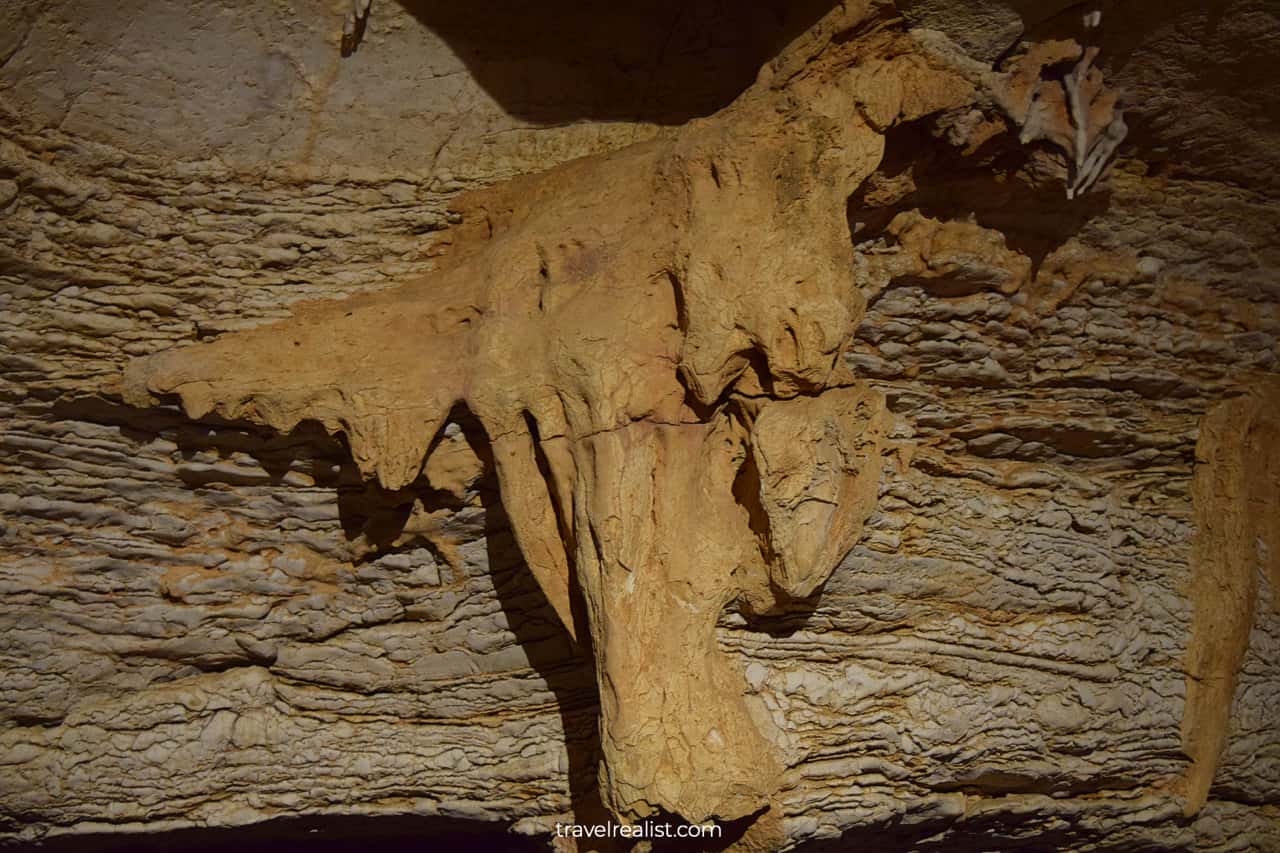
{"points": [[662, 548], [1236, 491]]}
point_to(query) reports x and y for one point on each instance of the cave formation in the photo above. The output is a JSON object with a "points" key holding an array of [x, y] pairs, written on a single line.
{"points": [[849, 424]]}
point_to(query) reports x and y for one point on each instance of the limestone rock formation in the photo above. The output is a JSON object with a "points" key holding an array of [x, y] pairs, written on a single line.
{"points": [[1237, 503], [619, 326], [984, 292]]}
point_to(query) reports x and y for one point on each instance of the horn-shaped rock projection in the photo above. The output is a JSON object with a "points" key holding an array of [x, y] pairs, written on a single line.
{"points": [[652, 340]]}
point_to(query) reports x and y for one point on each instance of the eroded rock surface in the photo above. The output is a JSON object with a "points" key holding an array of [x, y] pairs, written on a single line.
{"points": [[209, 623], [618, 326]]}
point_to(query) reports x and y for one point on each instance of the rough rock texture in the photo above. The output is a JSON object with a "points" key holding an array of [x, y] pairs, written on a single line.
{"points": [[1236, 493], [619, 357], [206, 623]]}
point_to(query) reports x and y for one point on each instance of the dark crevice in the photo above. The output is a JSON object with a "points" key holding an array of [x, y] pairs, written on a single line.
{"points": [[758, 364], [544, 278], [33, 721], [1015, 829], [564, 526], [997, 784], [746, 491], [784, 614], [943, 288], [312, 834], [754, 361], [682, 308]]}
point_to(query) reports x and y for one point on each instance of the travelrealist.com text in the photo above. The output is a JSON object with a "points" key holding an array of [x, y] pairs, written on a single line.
{"points": [[640, 830]]}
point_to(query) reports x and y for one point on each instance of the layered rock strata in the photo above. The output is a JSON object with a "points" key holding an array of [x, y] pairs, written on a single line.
{"points": [[206, 623]]}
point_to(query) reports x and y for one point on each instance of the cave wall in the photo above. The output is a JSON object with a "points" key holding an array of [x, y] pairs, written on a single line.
{"points": [[208, 624]]}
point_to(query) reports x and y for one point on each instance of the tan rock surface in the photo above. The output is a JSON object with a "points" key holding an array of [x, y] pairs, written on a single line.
{"points": [[205, 623], [1236, 491], [618, 356]]}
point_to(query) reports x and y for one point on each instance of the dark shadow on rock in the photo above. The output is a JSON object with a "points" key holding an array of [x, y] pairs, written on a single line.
{"points": [[373, 520], [990, 187], [1026, 831], [662, 61], [1125, 25], [318, 834], [780, 621], [1193, 78], [307, 449], [732, 832], [566, 667]]}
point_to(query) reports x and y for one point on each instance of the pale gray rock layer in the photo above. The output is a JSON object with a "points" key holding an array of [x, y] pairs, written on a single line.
{"points": [[198, 626]]}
